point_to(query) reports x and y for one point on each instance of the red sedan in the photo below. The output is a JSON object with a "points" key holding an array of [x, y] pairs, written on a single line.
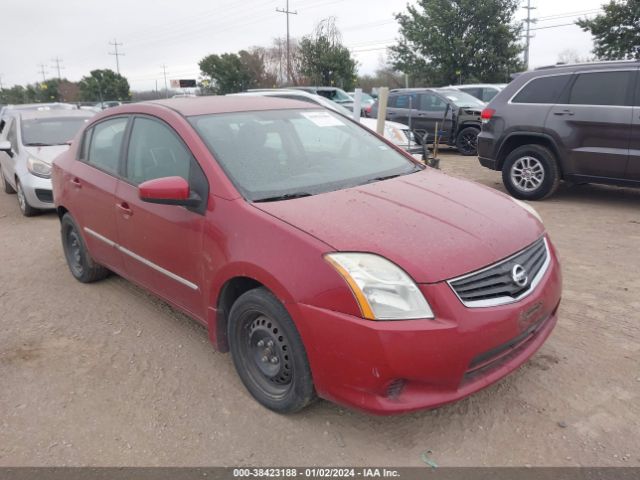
{"points": [[327, 261]]}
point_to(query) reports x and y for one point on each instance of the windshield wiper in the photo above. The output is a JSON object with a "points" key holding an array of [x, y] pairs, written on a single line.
{"points": [[38, 144], [286, 196], [387, 177]]}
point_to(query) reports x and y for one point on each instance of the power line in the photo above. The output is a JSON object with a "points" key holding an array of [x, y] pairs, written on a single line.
{"points": [[43, 72], [528, 37], [117, 54], [166, 88], [287, 12], [57, 66], [570, 14]]}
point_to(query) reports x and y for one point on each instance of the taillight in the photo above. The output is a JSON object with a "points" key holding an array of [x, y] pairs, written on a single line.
{"points": [[487, 114]]}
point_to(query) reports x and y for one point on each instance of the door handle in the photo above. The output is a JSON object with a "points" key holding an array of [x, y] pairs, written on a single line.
{"points": [[75, 181], [124, 208], [564, 112]]}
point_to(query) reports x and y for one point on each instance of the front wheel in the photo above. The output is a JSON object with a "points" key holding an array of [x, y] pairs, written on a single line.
{"points": [[26, 209], [268, 352], [530, 172], [467, 141]]}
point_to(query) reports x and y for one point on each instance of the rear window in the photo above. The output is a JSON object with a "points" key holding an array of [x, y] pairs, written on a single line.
{"points": [[601, 88], [542, 90]]}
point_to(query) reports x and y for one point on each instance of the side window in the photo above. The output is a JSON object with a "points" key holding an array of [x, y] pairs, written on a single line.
{"points": [[432, 103], [12, 135], [2, 124], [106, 143], [155, 151], [407, 101], [86, 141], [392, 102], [488, 94], [474, 91], [601, 88], [542, 90]]}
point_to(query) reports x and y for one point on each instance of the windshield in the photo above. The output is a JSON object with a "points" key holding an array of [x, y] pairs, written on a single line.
{"points": [[335, 94], [463, 100], [288, 153], [50, 131]]}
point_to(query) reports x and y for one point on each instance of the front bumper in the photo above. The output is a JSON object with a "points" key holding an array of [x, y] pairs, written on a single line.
{"points": [[38, 191], [401, 366]]}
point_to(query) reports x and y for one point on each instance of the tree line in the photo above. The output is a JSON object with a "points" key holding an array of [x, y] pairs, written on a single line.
{"points": [[440, 42]]}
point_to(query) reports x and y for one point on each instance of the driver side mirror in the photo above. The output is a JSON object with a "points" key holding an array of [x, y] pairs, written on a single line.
{"points": [[5, 146], [168, 191]]}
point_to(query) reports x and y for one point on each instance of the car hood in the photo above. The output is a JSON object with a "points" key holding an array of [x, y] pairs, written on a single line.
{"points": [[432, 225], [372, 123], [47, 154]]}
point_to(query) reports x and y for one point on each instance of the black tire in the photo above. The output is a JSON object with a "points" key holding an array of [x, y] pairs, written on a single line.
{"points": [[467, 141], [26, 209], [530, 172], [82, 266], [6, 186], [268, 352]]}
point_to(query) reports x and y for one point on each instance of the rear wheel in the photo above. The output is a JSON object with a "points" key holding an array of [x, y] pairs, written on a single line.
{"points": [[268, 352], [467, 141], [6, 187], [26, 209], [82, 266], [530, 172]]}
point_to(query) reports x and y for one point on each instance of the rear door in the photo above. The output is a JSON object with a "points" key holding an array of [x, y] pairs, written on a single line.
{"points": [[633, 164], [593, 122], [402, 108], [92, 185], [162, 244]]}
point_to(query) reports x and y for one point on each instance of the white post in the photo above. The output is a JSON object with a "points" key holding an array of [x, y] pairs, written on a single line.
{"points": [[357, 104], [383, 97]]}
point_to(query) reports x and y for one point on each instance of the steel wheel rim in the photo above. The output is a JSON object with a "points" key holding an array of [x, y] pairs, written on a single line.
{"points": [[74, 251], [22, 202], [266, 354], [527, 174]]}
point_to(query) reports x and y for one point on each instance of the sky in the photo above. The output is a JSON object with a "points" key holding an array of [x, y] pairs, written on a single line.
{"points": [[153, 33]]}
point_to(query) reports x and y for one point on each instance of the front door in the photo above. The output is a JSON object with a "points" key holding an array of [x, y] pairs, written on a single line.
{"points": [[633, 164], [594, 123], [434, 111], [162, 244]]}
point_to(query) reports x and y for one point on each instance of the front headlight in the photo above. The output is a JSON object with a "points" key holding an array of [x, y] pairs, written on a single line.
{"points": [[382, 289], [528, 208], [39, 168], [394, 134]]}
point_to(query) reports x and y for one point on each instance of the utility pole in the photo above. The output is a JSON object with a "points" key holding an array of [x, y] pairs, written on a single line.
{"points": [[117, 54], [166, 88], [287, 12], [528, 37], [57, 66], [42, 72]]}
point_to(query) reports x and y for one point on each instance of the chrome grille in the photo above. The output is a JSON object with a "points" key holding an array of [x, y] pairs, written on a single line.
{"points": [[506, 281]]}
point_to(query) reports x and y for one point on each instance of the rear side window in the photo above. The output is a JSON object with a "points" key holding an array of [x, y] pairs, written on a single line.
{"points": [[406, 101], [542, 90], [106, 144], [601, 88], [475, 91], [488, 94]]}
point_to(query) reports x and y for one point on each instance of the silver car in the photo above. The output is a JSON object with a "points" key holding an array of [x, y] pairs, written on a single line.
{"points": [[29, 142]]}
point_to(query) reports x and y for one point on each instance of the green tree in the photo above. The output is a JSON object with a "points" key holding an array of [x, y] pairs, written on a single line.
{"points": [[235, 72], [449, 41], [104, 85], [325, 60], [616, 32]]}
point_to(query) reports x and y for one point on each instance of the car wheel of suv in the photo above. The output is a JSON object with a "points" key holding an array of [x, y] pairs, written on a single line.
{"points": [[26, 209], [467, 141], [6, 186], [268, 352], [530, 172], [82, 266]]}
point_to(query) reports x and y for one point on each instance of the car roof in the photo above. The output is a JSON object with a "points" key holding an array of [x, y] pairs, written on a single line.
{"points": [[190, 106], [33, 114]]}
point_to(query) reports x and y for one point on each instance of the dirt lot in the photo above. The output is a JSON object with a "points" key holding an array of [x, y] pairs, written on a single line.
{"points": [[107, 375]]}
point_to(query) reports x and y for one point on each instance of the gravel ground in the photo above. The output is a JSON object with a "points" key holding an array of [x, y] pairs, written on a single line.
{"points": [[106, 374]]}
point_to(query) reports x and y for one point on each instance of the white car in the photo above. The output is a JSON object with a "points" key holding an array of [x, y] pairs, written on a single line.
{"points": [[397, 133], [482, 91], [29, 142]]}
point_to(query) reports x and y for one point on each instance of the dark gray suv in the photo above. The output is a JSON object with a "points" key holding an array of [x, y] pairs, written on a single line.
{"points": [[579, 123], [456, 113]]}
